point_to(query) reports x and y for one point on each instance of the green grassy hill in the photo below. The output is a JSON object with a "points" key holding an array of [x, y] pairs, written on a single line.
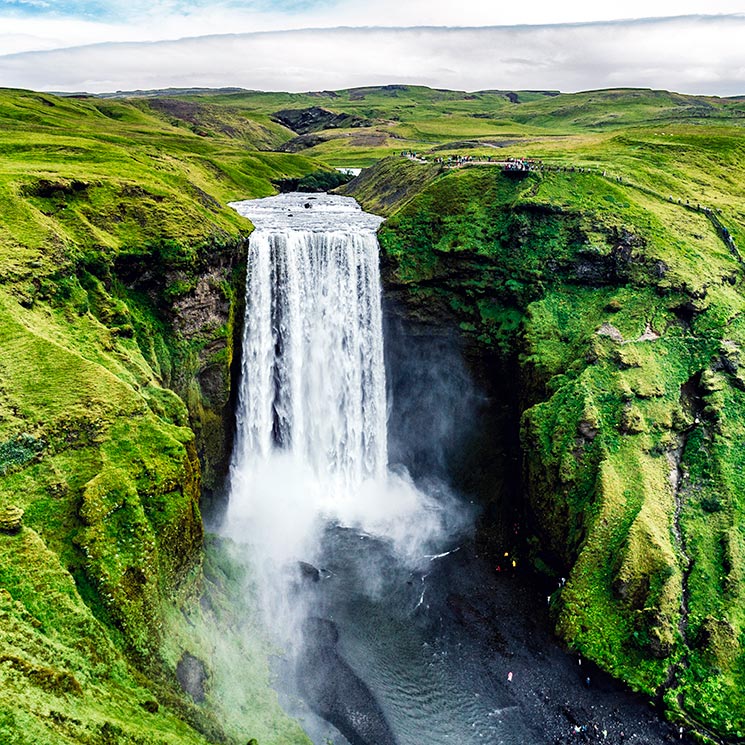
{"points": [[114, 420], [417, 118], [599, 282]]}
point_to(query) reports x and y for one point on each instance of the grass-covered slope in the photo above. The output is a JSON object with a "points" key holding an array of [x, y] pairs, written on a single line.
{"points": [[619, 313], [392, 183], [389, 119], [120, 286], [610, 296]]}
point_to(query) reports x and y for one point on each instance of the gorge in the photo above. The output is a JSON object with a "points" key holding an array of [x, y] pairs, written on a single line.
{"points": [[399, 592], [539, 420]]}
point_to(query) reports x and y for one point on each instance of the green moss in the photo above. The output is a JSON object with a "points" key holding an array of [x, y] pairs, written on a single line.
{"points": [[18, 451], [108, 237], [625, 338], [64, 680]]}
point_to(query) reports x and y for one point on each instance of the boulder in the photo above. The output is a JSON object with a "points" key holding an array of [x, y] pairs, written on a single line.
{"points": [[308, 573], [11, 519], [192, 676]]}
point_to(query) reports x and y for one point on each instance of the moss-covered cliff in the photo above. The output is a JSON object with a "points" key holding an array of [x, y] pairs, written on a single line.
{"points": [[611, 321], [121, 296]]}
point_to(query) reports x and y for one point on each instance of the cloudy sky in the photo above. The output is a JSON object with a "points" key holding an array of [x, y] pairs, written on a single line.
{"points": [[99, 45]]}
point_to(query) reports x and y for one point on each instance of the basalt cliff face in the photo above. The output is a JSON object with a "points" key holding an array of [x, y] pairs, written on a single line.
{"points": [[607, 331]]}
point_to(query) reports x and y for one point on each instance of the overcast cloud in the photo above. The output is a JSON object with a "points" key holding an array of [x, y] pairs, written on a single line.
{"points": [[313, 44], [28, 25], [694, 55]]}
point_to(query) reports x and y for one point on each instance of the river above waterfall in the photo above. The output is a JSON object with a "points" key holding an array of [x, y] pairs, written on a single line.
{"points": [[301, 211], [395, 632]]}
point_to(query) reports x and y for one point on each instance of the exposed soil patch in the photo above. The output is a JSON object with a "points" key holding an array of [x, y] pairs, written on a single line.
{"points": [[314, 119]]}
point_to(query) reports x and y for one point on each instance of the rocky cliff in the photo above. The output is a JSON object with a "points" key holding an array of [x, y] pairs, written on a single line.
{"points": [[606, 327]]}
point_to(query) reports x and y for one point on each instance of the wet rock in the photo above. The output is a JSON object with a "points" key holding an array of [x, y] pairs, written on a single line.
{"points": [[729, 359], [57, 188], [321, 631], [192, 675], [660, 269], [649, 334], [335, 692], [151, 707], [588, 431], [592, 270], [609, 330], [308, 573], [11, 519], [205, 307]]}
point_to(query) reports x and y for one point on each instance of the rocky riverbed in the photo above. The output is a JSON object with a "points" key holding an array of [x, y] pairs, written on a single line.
{"points": [[454, 652]]}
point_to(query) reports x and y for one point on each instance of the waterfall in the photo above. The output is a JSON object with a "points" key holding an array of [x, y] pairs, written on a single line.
{"points": [[310, 483], [313, 377], [311, 443]]}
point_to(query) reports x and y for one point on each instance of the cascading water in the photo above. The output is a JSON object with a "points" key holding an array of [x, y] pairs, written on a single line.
{"points": [[311, 420], [311, 442], [313, 380]]}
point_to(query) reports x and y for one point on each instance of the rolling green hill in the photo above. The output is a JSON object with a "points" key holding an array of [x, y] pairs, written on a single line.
{"points": [[608, 282]]}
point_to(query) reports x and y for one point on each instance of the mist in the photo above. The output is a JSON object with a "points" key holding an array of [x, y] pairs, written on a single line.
{"points": [[312, 451], [339, 493]]}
